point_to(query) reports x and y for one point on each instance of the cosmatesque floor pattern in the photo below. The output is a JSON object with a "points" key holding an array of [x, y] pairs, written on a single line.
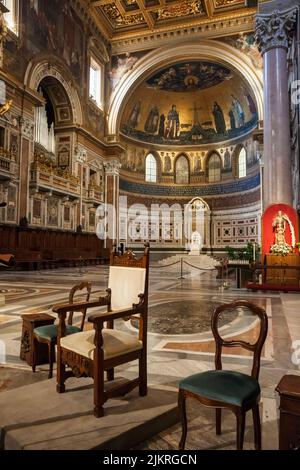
{"points": [[180, 340]]}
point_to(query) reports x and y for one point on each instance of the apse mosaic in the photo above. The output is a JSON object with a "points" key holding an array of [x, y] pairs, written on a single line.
{"points": [[190, 103], [189, 76]]}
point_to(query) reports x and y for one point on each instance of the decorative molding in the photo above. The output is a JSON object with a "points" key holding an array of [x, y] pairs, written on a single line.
{"points": [[276, 29], [81, 366], [220, 189], [145, 21], [112, 167], [27, 128], [183, 9], [80, 154], [36, 72], [208, 30]]}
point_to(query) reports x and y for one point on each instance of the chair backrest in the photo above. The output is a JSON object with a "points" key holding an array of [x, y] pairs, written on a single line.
{"points": [[255, 348], [128, 278], [73, 291]]}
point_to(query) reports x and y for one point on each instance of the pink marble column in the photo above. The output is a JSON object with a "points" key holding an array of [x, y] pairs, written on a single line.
{"points": [[273, 34]]}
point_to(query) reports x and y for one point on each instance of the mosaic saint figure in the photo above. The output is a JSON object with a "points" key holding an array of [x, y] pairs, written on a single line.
{"points": [[239, 112], [135, 115], [151, 123], [231, 115], [251, 104], [172, 129], [167, 167], [197, 166], [227, 163], [219, 119], [161, 130]]}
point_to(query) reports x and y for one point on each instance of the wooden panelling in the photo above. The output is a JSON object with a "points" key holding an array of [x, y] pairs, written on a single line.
{"points": [[45, 244]]}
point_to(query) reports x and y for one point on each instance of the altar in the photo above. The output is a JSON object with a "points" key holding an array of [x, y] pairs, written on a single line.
{"points": [[282, 270]]}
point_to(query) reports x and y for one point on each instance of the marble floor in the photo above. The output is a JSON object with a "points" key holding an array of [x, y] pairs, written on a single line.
{"points": [[180, 340]]}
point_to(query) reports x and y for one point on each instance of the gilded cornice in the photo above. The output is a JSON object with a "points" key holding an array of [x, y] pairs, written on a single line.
{"points": [[188, 23], [150, 30], [206, 29]]}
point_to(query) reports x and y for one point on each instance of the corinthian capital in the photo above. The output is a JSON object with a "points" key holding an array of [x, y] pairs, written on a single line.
{"points": [[275, 29], [112, 167]]}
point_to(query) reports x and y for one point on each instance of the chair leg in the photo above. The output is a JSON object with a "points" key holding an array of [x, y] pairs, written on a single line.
{"points": [[110, 373], [98, 392], [218, 421], [143, 375], [182, 415], [51, 353], [61, 372], [34, 353], [257, 427], [240, 421]]}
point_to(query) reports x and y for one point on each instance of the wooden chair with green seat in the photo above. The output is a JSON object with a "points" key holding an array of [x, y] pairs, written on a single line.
{"points": [[48, 334], [224, 388]]}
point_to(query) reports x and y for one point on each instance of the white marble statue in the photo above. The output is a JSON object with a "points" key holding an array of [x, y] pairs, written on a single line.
{"points": [[196, 244]]}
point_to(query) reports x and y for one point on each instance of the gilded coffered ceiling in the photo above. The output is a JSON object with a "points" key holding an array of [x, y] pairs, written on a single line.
{"points": [[126, 18]]}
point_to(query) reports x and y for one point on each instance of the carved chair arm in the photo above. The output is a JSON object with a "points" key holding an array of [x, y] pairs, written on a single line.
{"points": [[78, 306], [63, 309], [99, 318], [127, 313]]}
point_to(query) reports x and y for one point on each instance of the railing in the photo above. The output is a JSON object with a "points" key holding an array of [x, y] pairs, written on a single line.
{"points": [[95, 193], [51, 179], [7, 161], [5, 164], [182, 261]]}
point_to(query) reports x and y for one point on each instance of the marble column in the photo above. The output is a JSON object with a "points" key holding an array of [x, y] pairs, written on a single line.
{"points": [[112, 168], [274, 33]]}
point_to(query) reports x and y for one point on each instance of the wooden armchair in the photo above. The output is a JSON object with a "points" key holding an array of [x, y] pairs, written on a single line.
{"points": [[48, 334], [90, 353]]}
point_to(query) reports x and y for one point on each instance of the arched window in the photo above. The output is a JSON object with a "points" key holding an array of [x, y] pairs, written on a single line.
{"points": [[214, 168], [242, 163], [12, 16], [182, 174], [151, 169]]}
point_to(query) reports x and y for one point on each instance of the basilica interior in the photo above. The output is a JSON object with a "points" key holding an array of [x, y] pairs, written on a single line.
{"points": [[149, 172]]}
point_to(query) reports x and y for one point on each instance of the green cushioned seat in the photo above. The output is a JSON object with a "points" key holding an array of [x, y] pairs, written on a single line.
{"points": [[226, 386], [50, 332]]}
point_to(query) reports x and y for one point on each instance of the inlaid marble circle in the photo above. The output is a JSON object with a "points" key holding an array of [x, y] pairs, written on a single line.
{"points": [[184, 317], [15, 291]]}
